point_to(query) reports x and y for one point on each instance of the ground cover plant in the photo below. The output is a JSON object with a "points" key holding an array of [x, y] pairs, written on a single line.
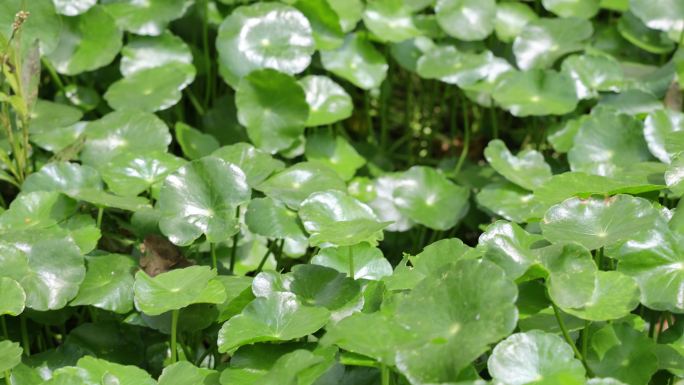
{"points": [[319, 192]]}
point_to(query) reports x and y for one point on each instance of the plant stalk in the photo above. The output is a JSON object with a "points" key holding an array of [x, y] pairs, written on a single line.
{"points": [[567, 337], [8, 381], [174, 331], [466, 138], [26, 343], [214, 260], [100, 213], [384, 374], [352, 272]]}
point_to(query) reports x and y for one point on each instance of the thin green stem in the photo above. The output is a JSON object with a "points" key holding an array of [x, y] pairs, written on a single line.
{"points": [[193, 100], [598, 258], [585, 338], [212, 250], [25, 342], [53, 74], [268, 252], [567, 337], [100, 213], [205, 48], [233, 252], [8, 381], [3, 325], [495, 121], [466, 138], [384, 374], [369, 119], [352, 272], [174, 331]]}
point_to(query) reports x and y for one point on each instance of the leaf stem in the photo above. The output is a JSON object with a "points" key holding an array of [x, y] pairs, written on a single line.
{"points": [[26, 344], [585, 338], [384, 374], [174, 330], [598, 257], [53, 74], [466, 138], [100, 212], [269, 250], [212, 250], [567, 337], [8, 381], [352, 272], [236, 237]]}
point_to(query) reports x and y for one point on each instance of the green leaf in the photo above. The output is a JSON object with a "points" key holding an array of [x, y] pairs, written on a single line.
{"points": [[593, 74], [534, 357], [322, 286], [12, 296], [368, 261], [510, 247], [88, 41], [73, 7], [451, 66], [256, 164], [614, 296], [144, 52], [510, 202], [278, 317], [471, 305], [10, 355], [273, 107], [328, 101], [674, 176], [664, 15], [64, 177], [201, 198], [152, 89], [122, 132], [184, 373], [176, 289], [325, 23], [334, 217], [36, 210], [390, 20], [272, 219], [466, 19], [572, 279], [194, 143], [598, 222], [93, 371], [334, 152], [585, 9], [46, 116], [636, 32], [607, 142], [264, 35], [349, 12], [44, 24], [658, 126], [426, 196], [108, 283], [357, 61], [528, 169], [296, 183], [108, 340], [653, 257], [148, 18], [129, 174], [49, 270], [511, 18], [535, 92], [620, 352], [543, 41]]}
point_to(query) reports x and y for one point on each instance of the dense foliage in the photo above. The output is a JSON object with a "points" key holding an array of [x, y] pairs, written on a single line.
{"points": [[323, 192]]}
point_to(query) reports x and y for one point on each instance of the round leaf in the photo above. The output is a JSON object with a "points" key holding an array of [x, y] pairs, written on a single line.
{"points": [[585, 9], [201, 198], [10, 355], [509, 246], [123, 132], [535, 92], [466, 19], [12, 297], [333, 152], [636, 32], [146, 18], [528, 169], [593, 74], [73, 7], [177, 289], [65, 177], [152, 89], [543, 41], [44, 24], [278, 317], [429, 198], [108, 283], [598, 222], [511, 18], [657, 126], [296, 183], [451, 66], [666, 15], [256, 164], [334, 217], [129, 174], [390, 20], [328, 101], [368, 261], [143, 52], [272, 219], [357, 61], [325, 23], [471, 305], [615, 295], [530, 357], [273, 107], [264, 35], [194, 143], [87, 42], [510, 202], [49, 270]]}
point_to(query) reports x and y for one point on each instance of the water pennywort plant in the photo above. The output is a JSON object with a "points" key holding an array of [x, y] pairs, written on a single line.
{"points": [[330, 192]]}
